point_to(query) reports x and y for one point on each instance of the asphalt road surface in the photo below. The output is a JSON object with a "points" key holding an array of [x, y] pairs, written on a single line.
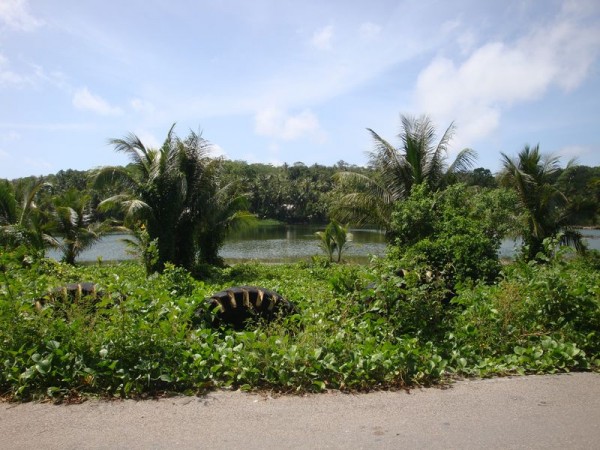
{"points": [[555, 411]]}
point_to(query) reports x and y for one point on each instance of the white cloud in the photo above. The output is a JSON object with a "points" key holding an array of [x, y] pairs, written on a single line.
{"points": [[7, 76], [11, 136], [148, 138], [497, 75], [450, 25], [83, 99], [274, 123], [369, 30], [30, 74], [322, 38], [216, 151], [67, 126], [574, 151], [581, 7], [15, 14], [466, 42], [39, 164], [142, 106]]}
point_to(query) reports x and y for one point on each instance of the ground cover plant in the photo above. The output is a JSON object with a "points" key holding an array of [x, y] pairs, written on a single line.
{"points": [[439, 305], [358, 328]]}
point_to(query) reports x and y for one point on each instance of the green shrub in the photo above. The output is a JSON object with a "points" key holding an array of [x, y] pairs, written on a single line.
{"points": [[455, 233], [532, 306], [139, 339]]}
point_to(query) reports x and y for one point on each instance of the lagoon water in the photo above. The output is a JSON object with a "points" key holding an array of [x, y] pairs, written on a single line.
{"points": [[284, 244]]}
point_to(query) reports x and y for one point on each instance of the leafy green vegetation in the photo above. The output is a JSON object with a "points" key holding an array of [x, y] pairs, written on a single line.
{"points": [[454, 234], [334, 239], [530, 175], [439, 305], [418, 161], [74, 222], [176, 192], [348, 334]]}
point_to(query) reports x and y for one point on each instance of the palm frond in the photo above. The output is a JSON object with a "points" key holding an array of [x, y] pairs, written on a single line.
{"points": [[135, 210], [134, 148], [435, 164], [109, 176], [464, 161], [573, 238], [28, 198], [8, 203], [113, 202]]}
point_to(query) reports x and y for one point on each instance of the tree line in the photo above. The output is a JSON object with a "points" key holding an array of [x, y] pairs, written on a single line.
{"points": [[180, 202]]}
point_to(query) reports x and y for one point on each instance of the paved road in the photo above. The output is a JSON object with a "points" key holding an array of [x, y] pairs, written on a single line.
{"points": [[557, 411]]}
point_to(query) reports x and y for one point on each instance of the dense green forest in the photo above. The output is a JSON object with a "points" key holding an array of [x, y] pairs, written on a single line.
{"points": [[440, 304], [299, 193]]}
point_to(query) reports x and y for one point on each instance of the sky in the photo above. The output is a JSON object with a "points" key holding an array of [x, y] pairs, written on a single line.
{"points": [[278, 81]]}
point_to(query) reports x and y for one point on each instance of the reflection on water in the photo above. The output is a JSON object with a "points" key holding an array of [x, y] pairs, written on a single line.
{"points": [[284, 243], [293, 242], [509, 247]]}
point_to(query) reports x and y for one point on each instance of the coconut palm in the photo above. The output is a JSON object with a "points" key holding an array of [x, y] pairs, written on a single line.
{"points": [[530, 174], [326, 242], [73, 221], [225, 211], [213, 206], [419, 160], [21, 221], [154, 190], [174, 191], [333, 239], [8, 203]]}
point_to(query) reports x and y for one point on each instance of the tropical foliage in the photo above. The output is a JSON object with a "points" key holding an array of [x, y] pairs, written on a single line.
{"points": [[139, 340], [531, 176], [73, 222], [418, 161], [439, 305], [288, 193], [22, 222], [334, 239], [581, 186], [177, 193], [453, 234]]}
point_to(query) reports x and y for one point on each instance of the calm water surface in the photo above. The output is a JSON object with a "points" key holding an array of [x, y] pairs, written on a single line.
{"points": [[285, 244], [273, 244]]}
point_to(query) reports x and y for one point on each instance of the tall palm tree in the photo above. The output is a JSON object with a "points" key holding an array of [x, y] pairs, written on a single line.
{"points": [[531, 176], [172, 191], [213, 206], [154, 194], [419, 160]]}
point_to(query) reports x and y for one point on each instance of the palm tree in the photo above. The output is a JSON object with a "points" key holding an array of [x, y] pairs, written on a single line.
{"points": [[333, 239], [154, 190], [73, 221], [530, 174], [326, 243], [213, 207], [174, 192], [225, 211], [419, 160], [21, 221], [8, 203]]}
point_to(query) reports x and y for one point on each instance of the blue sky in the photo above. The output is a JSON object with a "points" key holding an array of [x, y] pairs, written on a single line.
{"points": [[284, 81]]}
